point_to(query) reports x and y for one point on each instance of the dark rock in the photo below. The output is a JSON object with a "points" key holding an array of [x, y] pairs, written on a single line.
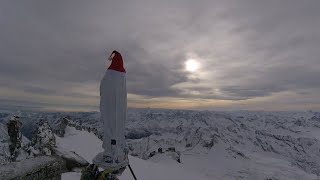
{"points": [[14, 132], [188, 145], [152, 154], [61, 129], [172, 149]]}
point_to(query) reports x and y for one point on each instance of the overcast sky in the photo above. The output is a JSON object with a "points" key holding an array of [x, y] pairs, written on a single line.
{"points": [[252, 55]]}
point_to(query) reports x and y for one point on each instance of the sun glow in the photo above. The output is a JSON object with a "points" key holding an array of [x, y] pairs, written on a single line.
{"points": [[191, 65]]}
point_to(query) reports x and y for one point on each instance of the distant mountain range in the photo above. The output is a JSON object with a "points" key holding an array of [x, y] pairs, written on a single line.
{"points": [[251, 141]]}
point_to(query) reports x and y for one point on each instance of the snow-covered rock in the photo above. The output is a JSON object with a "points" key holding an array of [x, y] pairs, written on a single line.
{"points": [[73, 160], [43, 139], [38, 168], [12, 145], [4, 144]]}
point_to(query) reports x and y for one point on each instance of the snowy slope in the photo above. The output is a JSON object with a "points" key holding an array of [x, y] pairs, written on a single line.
{"points": [[259, 139], [216, 164], [213, 145], [87, 145], [220, 164]]}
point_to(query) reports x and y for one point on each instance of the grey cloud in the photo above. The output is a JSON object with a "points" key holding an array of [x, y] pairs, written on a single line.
{"points": [[254, 48], [39, 90], [19, 105], [272, 80]]}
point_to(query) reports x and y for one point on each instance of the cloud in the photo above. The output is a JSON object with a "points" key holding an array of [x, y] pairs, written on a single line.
{"points": [[246, 49]]}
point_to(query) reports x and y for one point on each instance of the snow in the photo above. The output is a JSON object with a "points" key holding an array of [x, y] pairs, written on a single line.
{"points": [[87, 145], [70, 155], [71, 176], [145, 170], [22, 168], [217, 164], [211, 145]]}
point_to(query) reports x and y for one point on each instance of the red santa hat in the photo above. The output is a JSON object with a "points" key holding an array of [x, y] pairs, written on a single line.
{"points": [[116, 62]]}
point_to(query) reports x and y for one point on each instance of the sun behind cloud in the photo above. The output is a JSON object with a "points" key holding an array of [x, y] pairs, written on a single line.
{"points": [[191, 65]]}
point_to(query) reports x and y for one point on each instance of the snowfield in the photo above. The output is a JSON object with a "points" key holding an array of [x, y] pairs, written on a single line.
{"points": [[217, 164], [182, 144], [87, 145]]}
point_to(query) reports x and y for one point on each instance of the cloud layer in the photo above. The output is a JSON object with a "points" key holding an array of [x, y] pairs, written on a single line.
{"points": [[248, 52]]}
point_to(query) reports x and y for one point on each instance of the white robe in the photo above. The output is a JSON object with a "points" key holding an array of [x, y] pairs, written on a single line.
{"points": [[113, 109]]}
